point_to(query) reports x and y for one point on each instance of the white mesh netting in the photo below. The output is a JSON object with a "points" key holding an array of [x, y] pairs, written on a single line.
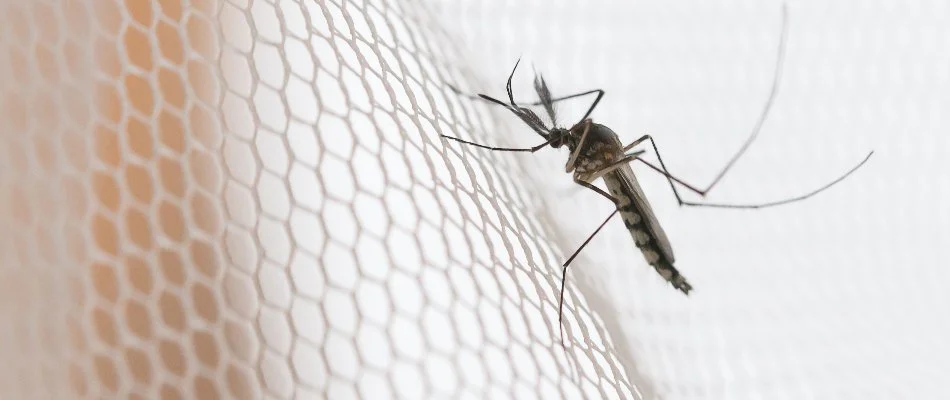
{"points": [[249, 199]]}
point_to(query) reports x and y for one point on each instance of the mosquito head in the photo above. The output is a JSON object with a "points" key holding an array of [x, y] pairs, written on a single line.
{"points": [[561, 137]]}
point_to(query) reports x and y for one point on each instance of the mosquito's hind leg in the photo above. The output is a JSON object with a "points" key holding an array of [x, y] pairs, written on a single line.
{"points": [[801, 197], [671, 179], [776, 79], [773, 93], [780, 59]]}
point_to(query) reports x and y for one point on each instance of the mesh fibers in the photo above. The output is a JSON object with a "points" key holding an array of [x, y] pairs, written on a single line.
{"points": [[245, 200], [249, 199]]}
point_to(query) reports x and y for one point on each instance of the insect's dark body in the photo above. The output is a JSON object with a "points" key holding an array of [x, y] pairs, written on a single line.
{"points": [[600, 148]]}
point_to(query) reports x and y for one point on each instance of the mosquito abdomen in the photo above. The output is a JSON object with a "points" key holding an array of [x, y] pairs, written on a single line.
{"points": [[646, 242]]}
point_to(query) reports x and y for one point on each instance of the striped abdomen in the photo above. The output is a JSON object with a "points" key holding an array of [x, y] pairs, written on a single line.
{"points": [[639, 219]]}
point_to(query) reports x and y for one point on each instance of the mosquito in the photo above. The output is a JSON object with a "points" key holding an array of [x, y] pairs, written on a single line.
{"points": [[597, 152]]}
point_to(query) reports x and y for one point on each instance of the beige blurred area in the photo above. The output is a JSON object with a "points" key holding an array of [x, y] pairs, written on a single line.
{"points": [[112, 269]]}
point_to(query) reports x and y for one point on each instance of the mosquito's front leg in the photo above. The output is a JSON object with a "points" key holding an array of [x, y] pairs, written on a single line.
{"points": [[577, 150], [526, 150], [600, 94], [626, 159]]}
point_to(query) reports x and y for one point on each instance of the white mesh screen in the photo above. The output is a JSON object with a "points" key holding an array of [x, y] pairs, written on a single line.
{"points": [[249, 199]]}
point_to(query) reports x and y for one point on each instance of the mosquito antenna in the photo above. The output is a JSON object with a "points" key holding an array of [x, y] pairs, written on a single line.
{"points": [[511, 97], [777, 77], [496, 101], [526, 115]]}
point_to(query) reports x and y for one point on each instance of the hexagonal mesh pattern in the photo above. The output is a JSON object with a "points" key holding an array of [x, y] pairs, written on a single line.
{"points": [[225, 199]]}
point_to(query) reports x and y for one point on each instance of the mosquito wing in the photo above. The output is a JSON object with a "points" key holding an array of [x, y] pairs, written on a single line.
{"points": [[628, 186]]}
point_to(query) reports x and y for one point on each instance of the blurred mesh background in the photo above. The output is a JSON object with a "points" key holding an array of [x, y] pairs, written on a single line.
{"points": [[249, 199]]}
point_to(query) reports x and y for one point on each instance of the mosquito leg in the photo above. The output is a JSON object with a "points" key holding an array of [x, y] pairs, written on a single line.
{"points": [[560, 307], [526, 150], [671, 179], [612, 166], [662, 169], [755, 131], [578, 251], [767, 204], [776, 78], [600, 94], [597, 190], [542, 91], [577, 149], [780, 59], [458, 92]]}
